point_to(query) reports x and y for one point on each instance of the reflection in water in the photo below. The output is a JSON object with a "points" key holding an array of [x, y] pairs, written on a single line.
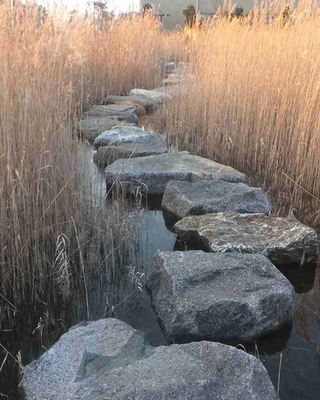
{"points": [[120, 293], [302, 278]]}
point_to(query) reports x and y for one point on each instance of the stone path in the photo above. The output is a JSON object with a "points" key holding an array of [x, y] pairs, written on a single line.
{"points": [[220, 293]]}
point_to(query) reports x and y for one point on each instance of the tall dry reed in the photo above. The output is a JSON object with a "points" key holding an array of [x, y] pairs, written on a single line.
{"points": [[254, 102], [51, 68]]}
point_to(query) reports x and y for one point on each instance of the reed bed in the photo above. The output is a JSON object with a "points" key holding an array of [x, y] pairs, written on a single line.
{"points": [[51, 68], [253, 101]]}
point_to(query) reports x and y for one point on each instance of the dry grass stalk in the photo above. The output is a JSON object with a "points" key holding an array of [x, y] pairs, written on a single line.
{"points": [[50, 70], [255, 102]]}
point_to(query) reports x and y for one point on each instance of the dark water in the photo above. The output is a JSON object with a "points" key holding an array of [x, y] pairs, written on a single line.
{"points": [[292, 355]]}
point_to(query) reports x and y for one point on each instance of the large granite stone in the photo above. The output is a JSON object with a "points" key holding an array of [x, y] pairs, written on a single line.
{"points": [[212, 196], [282, 240], [90, 128], [154, 144], [152, 99], [125, 111], [58, 373], [198, 295], [107, 360], [125, 134], [149, 104], [151, 174]]}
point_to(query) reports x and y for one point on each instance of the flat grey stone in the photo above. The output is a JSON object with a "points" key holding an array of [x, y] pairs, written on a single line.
{"points": [[124, 135], [125, 111], [282, 240], [152, 99], [172, 79], [178, 68], [172, 68], [198, 295], [154, 144], [90, 128], [151, 174], [212, 196], [117, 366], [149, 104]]}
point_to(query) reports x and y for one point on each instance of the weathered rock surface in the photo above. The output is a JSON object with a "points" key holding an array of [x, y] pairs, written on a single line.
{"points": [[212, 196], [149, 104], [172, 79], [125, 111], [154, 144], [152, 99], [151, 174], [282, 240], [58, 373], [172, 68], [90, 128], [179, 68], [198, 295], [107, 360], [125, 134]]}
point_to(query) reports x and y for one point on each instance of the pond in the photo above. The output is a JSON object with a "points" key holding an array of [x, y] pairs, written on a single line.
{"points": [[292, 355]]}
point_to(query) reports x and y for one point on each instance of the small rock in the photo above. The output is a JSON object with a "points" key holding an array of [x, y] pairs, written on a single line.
{"points": [[107, 360], [282, 240], [171, 68], [212, 196], [198, 295], [151, 174]]}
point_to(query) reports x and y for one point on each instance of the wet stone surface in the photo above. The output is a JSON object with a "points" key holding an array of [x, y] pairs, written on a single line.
{"points": [[212, 196], [284, 241], [151, 174], [198, 295], [108, 360]]}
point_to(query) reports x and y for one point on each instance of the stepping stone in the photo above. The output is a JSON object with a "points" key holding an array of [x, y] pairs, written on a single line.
{"points": [[212, 196], [149, 104], [153, 98], [151, 174], [108, 360], [123, 135], [177, 67], [198, 295], [126, 112], [172, 79], [282, 240], [90, 128], [153, 144], [172, 68]]}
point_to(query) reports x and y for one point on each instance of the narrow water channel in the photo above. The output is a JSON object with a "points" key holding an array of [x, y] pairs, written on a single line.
{"points": [[292, 355]]}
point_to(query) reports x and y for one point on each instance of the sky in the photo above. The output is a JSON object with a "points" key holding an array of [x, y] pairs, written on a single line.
{"points": [[116, 5]]}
